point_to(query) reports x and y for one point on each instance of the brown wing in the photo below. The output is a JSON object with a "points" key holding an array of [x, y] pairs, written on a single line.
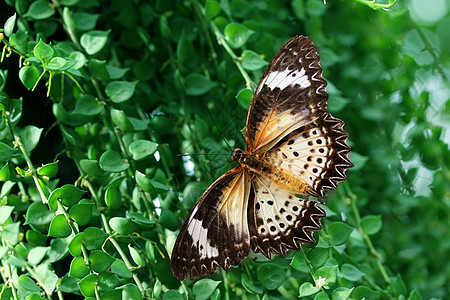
{"points": [[279, 221], [216, 232], [291, 93], [316, 153]]}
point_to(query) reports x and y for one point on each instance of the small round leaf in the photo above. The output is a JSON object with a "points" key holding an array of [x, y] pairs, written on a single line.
{"points": [[59, 227], [271, 275], [141, 149], [111, 161], [204, 288], [94, 41]]}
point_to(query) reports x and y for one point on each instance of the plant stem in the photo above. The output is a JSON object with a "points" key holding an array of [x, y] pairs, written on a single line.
{"points": [[222, 41]]}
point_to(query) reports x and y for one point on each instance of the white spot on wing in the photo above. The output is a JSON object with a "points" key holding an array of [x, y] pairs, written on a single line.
{"points": [[288, 77], [199, 236]]}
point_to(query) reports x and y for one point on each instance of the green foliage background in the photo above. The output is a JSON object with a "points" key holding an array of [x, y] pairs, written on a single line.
{"points": [[99, 98]]}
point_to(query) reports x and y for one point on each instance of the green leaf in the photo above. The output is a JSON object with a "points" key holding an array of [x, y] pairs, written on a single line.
{"points": [[328, 273], [364, 292], [321, 296], [149, 185], [78, 268], [244, 97], [237, 34], [79, 58], [40, 10], [172, 295], [30, 136], [49, 170], [398, 286], [371, 224], [249, 286], [318, 256], [141, 149], [136, 256], [168, 220], [5, 173], [38, 214], [26, 283], [197, 84], [204, 288], [164, 27], [81, 213], [9, 25], [91, 167], [100, 261], [10, 233], [108, 281], [85, 21], [185, 50], [87, 105], [299, 263], [358, 160], [5, 213], [271, 275], [120, 91], [120, 268], [111, 161], [43, 52], [87, 285], [6, 152], [36, 254], [122, 226], [59, 227], [29, 75], [131, 291], [56, 64], [98, 69], [341, 293], [68, 194], [315, 8], [115, 72], [307, 289], [94, 41], [94, 238], [339, 233], [415, 295], [113, 198], [212, 9], [75, 244], [252, 61], [351, 273]]}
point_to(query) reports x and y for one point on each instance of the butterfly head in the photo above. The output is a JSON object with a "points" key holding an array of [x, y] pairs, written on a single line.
{"points": [[238, 154]]}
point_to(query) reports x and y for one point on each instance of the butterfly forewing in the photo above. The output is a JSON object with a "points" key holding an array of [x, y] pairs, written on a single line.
{"points": [[216, 232], [279, 221], [291, 93]]}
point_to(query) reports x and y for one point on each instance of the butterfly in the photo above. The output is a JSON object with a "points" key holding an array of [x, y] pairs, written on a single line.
{"points": [[294, 147]]}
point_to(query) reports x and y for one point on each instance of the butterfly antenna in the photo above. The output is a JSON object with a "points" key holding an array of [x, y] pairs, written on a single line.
{"points": [[191, 154], [215, 125]]}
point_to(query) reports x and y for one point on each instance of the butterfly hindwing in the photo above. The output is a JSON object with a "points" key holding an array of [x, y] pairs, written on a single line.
{"points": [[316, 153], [216, 232], [279, 221], [290, 94]]}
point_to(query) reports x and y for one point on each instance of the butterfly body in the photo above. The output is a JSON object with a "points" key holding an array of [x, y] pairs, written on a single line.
{"points": [[258, 164], [294, 147]]}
